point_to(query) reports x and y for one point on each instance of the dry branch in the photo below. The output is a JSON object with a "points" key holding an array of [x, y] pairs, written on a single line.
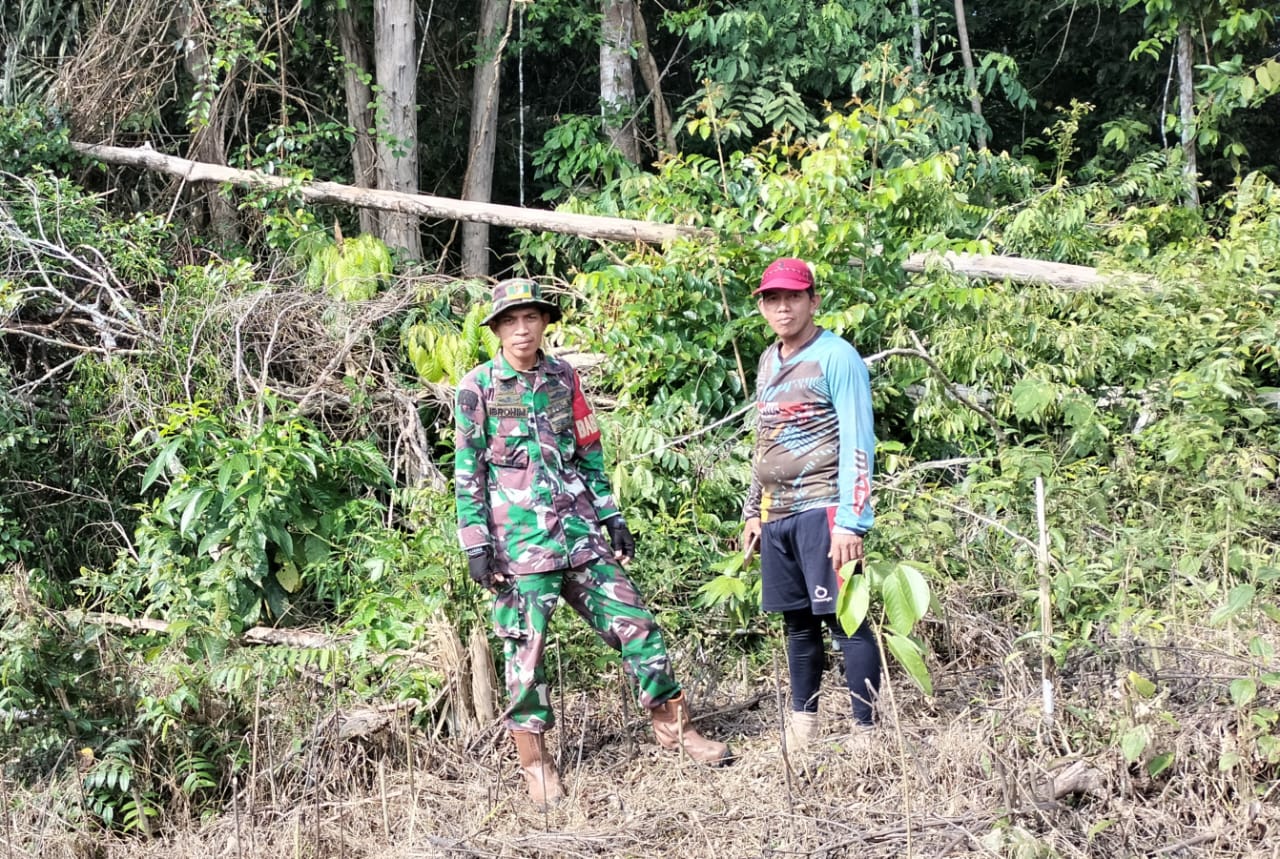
{"points": [[1016, 269], [260, 635], [590, 226]]}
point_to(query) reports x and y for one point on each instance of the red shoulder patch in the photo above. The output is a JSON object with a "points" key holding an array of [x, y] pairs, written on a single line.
{"points": [[585, 429]]}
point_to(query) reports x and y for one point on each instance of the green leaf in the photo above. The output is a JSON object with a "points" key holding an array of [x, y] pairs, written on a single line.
{"points": [[1134, 742], [899, 602], [1141, 685], [1240, 598], [288, 577], [721, 589], [232, 467], [853, 602], [161, 462], [908, 654], [1032, 397], [1243, 690], [1159, 764], [199, 500], [918, 586]]}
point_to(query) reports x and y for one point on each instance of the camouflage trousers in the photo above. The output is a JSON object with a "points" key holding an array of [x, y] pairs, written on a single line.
{"points": [[605, 598]]}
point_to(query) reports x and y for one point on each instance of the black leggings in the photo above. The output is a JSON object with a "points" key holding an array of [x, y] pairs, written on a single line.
{"points": [[807, 657]]}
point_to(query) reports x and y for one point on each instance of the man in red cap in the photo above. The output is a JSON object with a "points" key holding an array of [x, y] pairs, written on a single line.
{"points": [[809, 505]]}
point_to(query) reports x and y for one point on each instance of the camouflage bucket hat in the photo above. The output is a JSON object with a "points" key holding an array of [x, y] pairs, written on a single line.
{"points": [[516, 293]]}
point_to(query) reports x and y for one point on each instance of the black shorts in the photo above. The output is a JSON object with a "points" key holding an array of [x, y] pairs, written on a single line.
{"points": [[795, 563]]}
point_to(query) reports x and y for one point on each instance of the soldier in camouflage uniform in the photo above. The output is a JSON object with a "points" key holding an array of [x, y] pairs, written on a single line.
{"points": [[533, 500]]}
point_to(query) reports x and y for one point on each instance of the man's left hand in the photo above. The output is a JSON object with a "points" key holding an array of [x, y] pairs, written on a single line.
{"points": [[624, 545], [845, 548]]}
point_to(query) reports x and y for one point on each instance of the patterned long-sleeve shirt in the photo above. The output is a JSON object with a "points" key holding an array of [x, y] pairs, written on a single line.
{"points": [[815, 437], [529, 472]]}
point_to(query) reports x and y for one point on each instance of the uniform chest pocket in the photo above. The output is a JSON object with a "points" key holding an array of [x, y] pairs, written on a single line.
{"points": [[560, 410], [510, 440]]}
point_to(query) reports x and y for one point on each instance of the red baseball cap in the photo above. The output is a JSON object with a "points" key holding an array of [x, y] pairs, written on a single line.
{"points": [[786, 273]]}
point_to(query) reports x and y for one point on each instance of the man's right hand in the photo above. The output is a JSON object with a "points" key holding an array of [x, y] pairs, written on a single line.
{"points": [[481, 567], [750, 538]]}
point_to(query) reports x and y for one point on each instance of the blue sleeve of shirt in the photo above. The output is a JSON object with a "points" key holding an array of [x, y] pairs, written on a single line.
{"points": [[850, 387]]}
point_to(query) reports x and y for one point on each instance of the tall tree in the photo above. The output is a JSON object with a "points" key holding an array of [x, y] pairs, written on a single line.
{"points": [[215, 104], [397, 145], [970, 78], [477, 184], [617, 81], [1187, 112], [357, 73]]}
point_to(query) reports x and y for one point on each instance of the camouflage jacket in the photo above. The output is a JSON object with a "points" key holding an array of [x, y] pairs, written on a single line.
{"points": [[529, 469]]}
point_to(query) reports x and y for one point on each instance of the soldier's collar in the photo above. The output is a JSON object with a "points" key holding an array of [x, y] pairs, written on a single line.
{"points": [[506, 371]]}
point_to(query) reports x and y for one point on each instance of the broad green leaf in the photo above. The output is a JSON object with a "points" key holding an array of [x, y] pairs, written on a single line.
{"points": [[853, 602], [1238, 600], [199, 500], [1134, 742], [161, 462], [918, 586], [235, 466], [899, 603], [1159, 764], [908, 654], [1032, 397], [1141, 685], [1243, 690], [721, 589], [1227, 760], [288, 577]]}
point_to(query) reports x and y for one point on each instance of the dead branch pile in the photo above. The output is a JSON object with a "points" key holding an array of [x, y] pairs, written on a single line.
{"points": [[123, 71], [328, 356], [338, 361]]}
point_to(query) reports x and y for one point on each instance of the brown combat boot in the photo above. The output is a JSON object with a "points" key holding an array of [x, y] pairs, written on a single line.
{"points": [[674, 730], [538, 769]]}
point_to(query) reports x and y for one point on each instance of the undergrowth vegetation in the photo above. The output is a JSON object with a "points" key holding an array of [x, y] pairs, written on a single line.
{"points": [[199, 459]]}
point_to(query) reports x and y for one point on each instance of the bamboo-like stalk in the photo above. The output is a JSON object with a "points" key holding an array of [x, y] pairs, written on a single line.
{"points": [[1046, 609]]}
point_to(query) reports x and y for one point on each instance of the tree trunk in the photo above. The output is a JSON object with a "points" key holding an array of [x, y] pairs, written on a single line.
{"points": [[970, 77], [477, 184], [617, 83], [917, 56], [356, 75], [397, 144], [209, 132], [653, 80], [1187, 113]]}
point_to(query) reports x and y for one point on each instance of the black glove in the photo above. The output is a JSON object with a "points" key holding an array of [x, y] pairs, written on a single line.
{"points": [[480, 566], [624, 545]]}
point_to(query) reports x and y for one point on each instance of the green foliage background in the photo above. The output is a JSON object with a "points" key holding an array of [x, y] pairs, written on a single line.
{"points": [[163, 459]]}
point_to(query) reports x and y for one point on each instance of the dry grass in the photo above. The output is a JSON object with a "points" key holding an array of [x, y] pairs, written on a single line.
{"points": [[968, 772]]}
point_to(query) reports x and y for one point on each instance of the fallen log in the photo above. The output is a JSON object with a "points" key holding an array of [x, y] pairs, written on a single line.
{"points": [[985, 267], [589, 226], [1019, 270]]}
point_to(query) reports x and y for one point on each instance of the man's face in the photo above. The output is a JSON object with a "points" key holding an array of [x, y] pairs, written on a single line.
{"points": [[520, 332], [789, 312]]}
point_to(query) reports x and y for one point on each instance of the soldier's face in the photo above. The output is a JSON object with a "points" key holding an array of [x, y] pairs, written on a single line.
{"points": [[520, 332]]}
